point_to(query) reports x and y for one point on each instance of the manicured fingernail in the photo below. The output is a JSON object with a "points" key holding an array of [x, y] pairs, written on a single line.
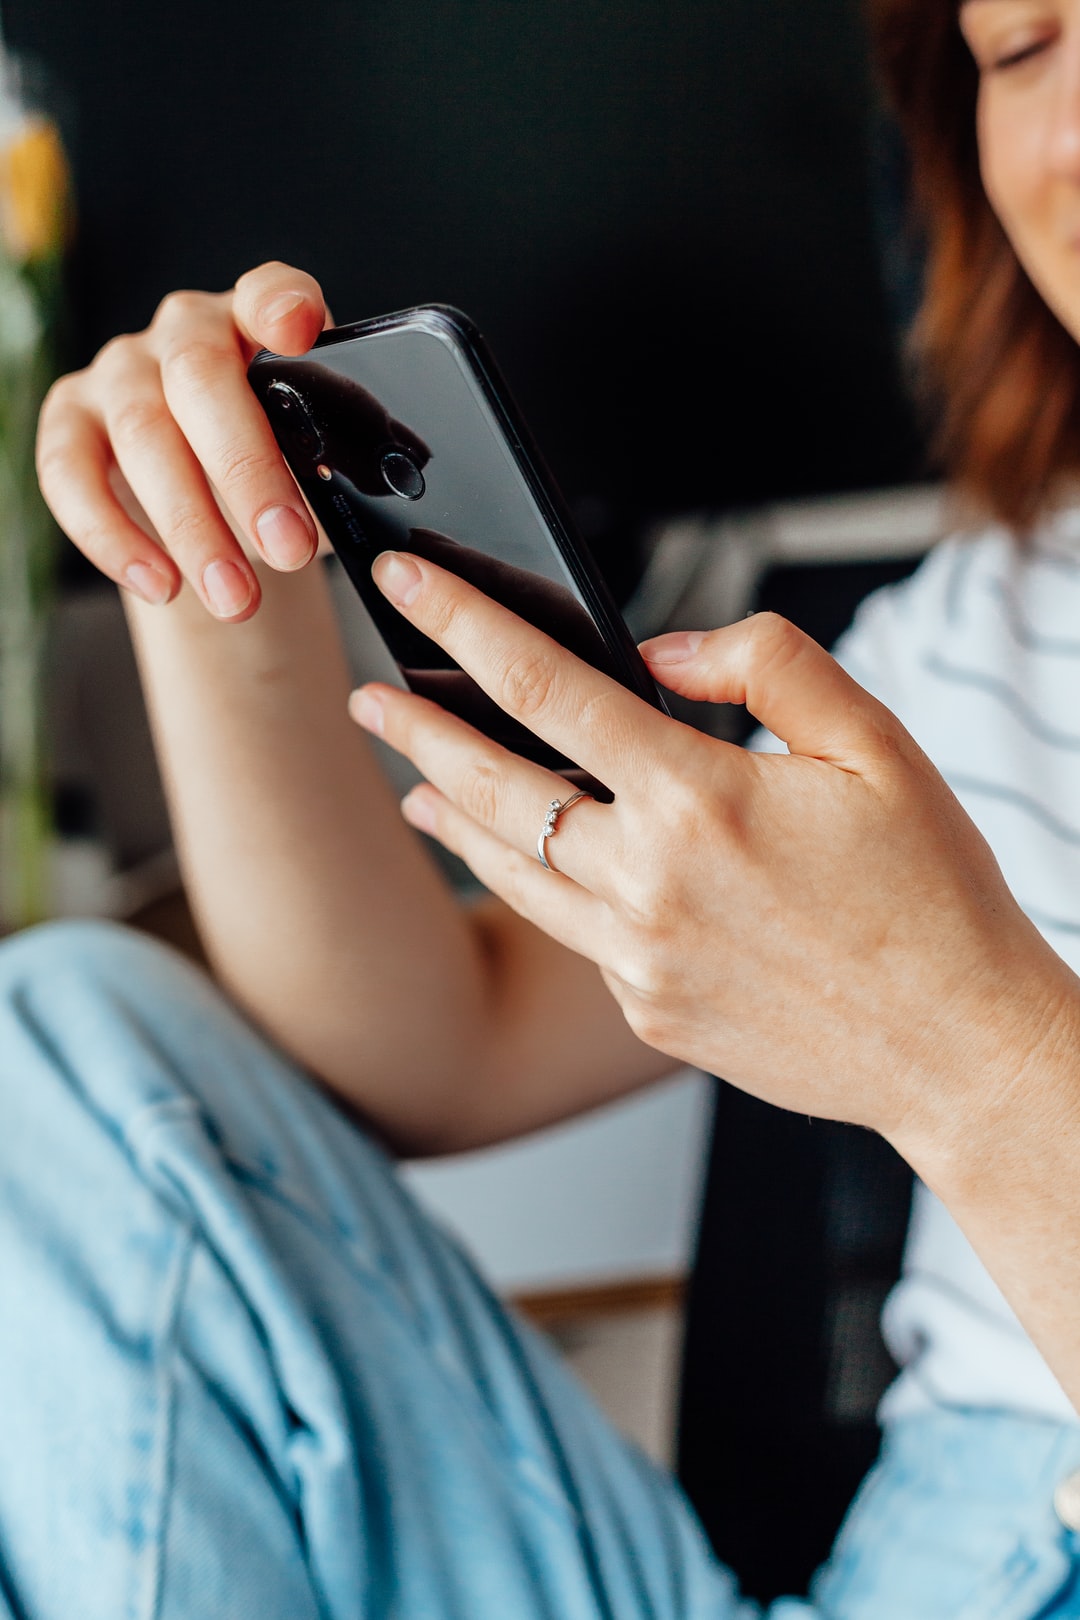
{"points": [[397, 577], [148, 582], [279, 307], [419, 811], [676, 648], [285, 537], [228, 589], [367, 710]]}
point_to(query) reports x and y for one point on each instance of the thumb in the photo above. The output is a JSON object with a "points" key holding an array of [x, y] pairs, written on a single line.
{"points": [[786, 680]]}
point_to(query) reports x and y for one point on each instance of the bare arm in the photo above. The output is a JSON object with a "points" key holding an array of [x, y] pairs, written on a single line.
{"points": [[318, 906], [326, 919], [826, 928], [1005, 1159]]}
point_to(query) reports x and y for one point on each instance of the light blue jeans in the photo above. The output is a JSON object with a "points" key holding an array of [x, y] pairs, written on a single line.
{"points": [[244, 1376]]}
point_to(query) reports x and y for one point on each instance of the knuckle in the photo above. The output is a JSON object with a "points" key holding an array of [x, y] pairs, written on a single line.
{"points": [[604, 714], [480, 788], [640, 896], [178, 308], [59, 396], [650, 961], [700, 818], [688, 804], [136, 420], [511, 880], [251, 278], [189, 524], [245, 463], [441, 613], [115, 358], [652, 885], [192, 365], [775, 640], [646, 1021], [528, 683], [634, 962], [889, 741]]}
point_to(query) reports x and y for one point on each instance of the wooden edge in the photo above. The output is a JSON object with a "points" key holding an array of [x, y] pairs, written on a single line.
{"points": [[602, 1299]]}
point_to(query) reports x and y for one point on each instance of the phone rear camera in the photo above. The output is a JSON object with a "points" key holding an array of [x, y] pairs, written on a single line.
{"points": [[401, 475], [293, 411]]}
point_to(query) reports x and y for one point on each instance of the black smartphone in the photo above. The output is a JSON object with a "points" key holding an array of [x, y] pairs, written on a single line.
{"points": [[402, 435]]}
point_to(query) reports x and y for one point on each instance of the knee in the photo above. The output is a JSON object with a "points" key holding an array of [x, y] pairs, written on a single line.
{"points": [[100, 1021], [71, 974], [80, 1061], [88, 949], [115, 1051], [92, 1001]]}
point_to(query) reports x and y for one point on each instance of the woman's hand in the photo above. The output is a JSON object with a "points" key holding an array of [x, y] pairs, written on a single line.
{"points": [[826, 929], [167, 416]]}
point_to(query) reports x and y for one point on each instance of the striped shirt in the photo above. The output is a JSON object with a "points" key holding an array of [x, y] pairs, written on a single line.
{"points": [[978, 654]]}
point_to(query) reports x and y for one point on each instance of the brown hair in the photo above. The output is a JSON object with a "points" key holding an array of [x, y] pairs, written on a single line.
{"points": [[1001, 372]]}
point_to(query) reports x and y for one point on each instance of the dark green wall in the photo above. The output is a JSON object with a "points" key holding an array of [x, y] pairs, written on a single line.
{"points": [[657, 209]]}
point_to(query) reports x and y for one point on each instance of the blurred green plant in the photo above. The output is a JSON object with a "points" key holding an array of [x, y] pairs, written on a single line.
{"points": [[35, 224]]}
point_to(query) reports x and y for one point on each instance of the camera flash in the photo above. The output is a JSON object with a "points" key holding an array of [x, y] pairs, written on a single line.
{"points": [[324, 472]]}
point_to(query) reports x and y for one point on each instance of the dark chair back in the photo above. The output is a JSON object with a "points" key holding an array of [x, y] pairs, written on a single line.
{"points": [[801, 1237]]}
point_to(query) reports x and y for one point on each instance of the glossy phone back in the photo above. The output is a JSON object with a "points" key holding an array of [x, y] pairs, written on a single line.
{"points": [[401, 435]]}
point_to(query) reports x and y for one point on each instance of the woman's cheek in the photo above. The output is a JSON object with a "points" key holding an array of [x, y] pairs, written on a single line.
{"points": [[1008, 165], [1023, 167]]}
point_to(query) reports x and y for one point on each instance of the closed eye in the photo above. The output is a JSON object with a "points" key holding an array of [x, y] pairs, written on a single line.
{"points": [[1016, 58]]}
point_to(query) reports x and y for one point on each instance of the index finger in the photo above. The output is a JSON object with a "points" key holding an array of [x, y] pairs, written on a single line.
{"points": [[578, 710]]}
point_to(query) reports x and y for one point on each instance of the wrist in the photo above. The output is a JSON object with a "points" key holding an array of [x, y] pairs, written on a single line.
{"points": [[999, 1116], [1005, 1168]]}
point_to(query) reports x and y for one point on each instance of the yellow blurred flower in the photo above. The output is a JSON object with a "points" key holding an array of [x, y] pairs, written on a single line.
{"points": [[35, 192]]}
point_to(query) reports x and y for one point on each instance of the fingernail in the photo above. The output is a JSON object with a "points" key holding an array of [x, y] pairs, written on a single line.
{"points": [[419, 811], [148, 582], [286, 539], [277, 309], [228, 589], [397, 577], [367, 710], [676, 648]]}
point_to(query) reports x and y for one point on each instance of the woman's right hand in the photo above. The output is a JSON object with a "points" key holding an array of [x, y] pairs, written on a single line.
{"points": [[167, 416]]}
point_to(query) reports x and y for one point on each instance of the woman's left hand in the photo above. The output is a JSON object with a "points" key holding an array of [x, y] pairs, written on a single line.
{"points": [[825, 928]]}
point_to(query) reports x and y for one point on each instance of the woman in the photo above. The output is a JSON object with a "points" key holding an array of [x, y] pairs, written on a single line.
{"points": [[313, 1406]]}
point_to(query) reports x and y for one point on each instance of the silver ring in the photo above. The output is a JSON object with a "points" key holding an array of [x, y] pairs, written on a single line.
{"points": [[554, 810]]}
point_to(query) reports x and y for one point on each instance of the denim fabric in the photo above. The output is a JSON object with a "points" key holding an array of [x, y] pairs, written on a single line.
{"points": [[244, 1375], [957, 1519]]}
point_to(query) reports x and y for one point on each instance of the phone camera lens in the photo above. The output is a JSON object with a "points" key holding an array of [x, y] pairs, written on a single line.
{"points": [[401, 475], [293, 411]]}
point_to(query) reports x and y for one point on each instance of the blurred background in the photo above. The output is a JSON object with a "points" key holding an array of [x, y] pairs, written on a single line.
{"points": [[678, 223], [660, 214]]}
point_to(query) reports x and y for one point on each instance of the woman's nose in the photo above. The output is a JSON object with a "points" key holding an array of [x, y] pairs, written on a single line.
{"points": [[1064, 132]]}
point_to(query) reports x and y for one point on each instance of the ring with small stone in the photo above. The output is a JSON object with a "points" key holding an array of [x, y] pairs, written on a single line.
{"points": [[551, 821]]}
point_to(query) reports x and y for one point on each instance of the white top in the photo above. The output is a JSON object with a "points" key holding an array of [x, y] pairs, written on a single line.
{"points": [[978, 654]]}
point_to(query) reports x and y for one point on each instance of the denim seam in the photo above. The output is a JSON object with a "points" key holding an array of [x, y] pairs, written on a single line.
{"points": [[152, 1584], [532, 1471], [148, 1115]]}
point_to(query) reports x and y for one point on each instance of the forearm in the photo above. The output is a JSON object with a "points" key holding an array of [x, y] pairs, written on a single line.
{"points": [[1009, 1172], [318, 907]]}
